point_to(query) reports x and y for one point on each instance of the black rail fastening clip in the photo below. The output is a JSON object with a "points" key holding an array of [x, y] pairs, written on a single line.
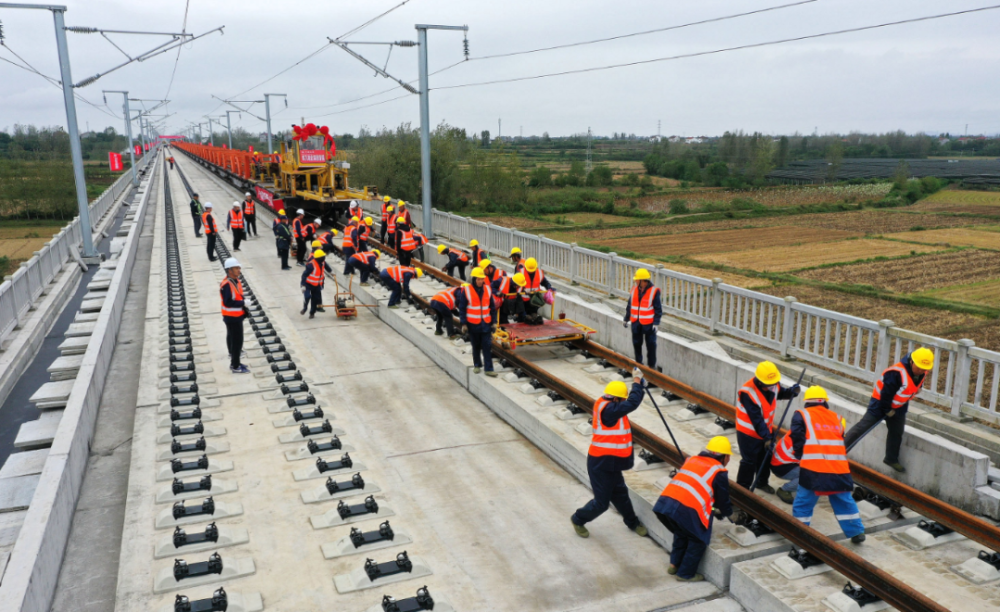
{"points": [[323, 465], [271, 349], [803, 557], [649, 457], [183, 415], [323, 427], [423, 601], [284, 366], [317, 413], [300, 401], [935, 528], [194, 400], [207, 506], [724, 424], [186, 430], [284, 378], [555, 397], [860, 595], [535, 384], [753, 525], [401, 564], [383, 533], [301, 387], [356, 482], [333, 444], [218, 602], [202, 484], [276, 357], [192, 388], [184, 377], [177, 465], [187, 447], [369, 506], [183, 570]]}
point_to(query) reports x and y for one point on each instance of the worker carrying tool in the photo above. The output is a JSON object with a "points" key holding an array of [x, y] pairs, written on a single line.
{"points": [[298, 232], [890, 400], [211, 230], [282, 238], [456, 259], [445, 304], [818, 443], [348, 245], [610, 455], [313, 280], [364, 232], [478, 315], [397, 280], [642, 312], [236, 224], [697, 494], [785, 465], [196, 211], [477, 254], [535, 285], [387, 209], [509, 291], [234, 311], [755, 404], [516, 259], [250, 214], [365, 264]]}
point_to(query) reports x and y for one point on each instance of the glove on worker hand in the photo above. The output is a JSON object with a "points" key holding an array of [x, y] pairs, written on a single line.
{"points": [[465, 329], [655, 329], [890, 414], [493, 329], [637, 376], [796, 389], [625, 323]]}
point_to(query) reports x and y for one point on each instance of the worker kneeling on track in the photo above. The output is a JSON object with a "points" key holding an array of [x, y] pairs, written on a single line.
{"points": [[456, 259], [533, 293], [313, 279], [509, 291], [611, 454], [643, 312], [818, 443], [755, 405], [445, 304], [397, 280], [477, 312], [365, 264], [697, 494]]}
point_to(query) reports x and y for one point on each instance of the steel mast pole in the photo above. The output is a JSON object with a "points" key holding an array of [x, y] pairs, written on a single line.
{"points": [[229, 127], [267, 109], [211, 136]]}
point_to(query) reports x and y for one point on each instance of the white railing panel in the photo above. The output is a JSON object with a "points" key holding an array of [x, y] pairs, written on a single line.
{"points": [[840, 342]]}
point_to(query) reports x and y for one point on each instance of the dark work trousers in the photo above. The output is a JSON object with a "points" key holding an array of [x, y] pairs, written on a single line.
{"points": [[444, 317], [300, 250], [364, 269], [210, 246], [234, 339], [512, 308], [348, 251], [640, 334], [390, 283], [450, 268], [312, 294], [251, 223], [381, 232], [893, 439], [751, 458], [283, 254], [687, 549], [482, 346], [609, 489], [238, 237], [197, 225], [405, 257]]}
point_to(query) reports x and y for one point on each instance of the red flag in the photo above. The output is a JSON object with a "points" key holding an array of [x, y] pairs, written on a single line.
{"points": [[251, 148], [138, 150], [147, 146], [115, 161]]}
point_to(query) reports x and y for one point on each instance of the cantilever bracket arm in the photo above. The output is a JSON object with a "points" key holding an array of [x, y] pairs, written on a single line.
{"points": [[385, 74]]}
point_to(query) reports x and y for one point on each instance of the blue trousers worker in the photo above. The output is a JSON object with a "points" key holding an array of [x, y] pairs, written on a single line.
{"points": [[315, 296], [689, 543], [608, 483], [844, 508], [482, 346], [644, 334], [348, 251]]}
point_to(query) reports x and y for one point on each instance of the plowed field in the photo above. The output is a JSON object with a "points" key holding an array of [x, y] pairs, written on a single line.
{"points": [[720, 241], [786, 258], [959, 201], [917, 274], [983, 239], [520, 223], [986, 293]]}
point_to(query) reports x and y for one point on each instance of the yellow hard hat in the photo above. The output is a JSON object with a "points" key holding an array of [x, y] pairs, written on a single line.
{"points": [[319, 253], [386, 199], [388, 208], [719, 445], [354, 219], [641, 274], [923, 358], [478, 273], [767, 373], [486, 263], [333, 231], [281, 212], [400, 219], [316, 244], [530, 264], [466, 285], [401, 204], [377, 252], [442, 248], [815, 392], [616, 388], [519, 280], [515, 251], [418, 272], [369, 221], [473, 243]]}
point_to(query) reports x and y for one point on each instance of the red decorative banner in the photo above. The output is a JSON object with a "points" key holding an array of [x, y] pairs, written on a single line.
{"points": [[138, 150], [265, 197], [251, 148], [312, 156], [115, 161], [147, 146]]}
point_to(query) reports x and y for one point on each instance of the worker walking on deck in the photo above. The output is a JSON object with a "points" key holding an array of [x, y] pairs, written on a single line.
{"points": [[236, 224], [456, 259], [478, 317], [196, 211], [397, 280], [313, 280], [171, 160], [211, 230], [509, 290], [890, 401], [755, 404], [298, 232], [516, 259], [818, 443], [697, 494], [535, 286], [234, 311], [445, 304], [643, 312], [365, 264], [250, 214], [610, 454], [283, 238]]}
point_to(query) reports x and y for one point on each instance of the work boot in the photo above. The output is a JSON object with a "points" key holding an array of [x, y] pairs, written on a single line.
{"points": [[896, 466], [766, 488], [302, 312], [786, 496], [320, 309], [438, 332], [476, 370], [454, 336], [672, 570], [641, 530], [364, 284], [695, 578], [581, 530], [394, 307], [491, 374], [858, 538], [312, 315]]}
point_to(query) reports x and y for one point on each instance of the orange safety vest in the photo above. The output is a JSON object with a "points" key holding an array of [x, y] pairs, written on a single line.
{"points": [[363, 231], [907, 391], [297, 229], [447, 297], [641, 310], [251, 207], [508, 288], [209, 227], [783, 454], [237, 289], [365, 258], [497, 275], [478, 310], [316, 277], [692, 486], [477, 255], [392, 224], [348, 242], [462, 255], [824, 451], [534, 283], [354, 211], [519, 267], [743, 422], [406, 242], [236, 219], [398, 273], [385, 211], [615, 441], [326, 238]]}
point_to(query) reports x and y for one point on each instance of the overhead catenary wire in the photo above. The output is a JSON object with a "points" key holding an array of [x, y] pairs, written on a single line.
{"points": [[173, 73], [371, 21]]}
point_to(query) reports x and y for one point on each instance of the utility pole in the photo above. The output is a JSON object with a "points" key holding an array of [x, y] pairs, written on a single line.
{"points": [[211, 134], [229, 126], [267, 110], [590, 163], [659, 134], [128, 132], [499, 128]]}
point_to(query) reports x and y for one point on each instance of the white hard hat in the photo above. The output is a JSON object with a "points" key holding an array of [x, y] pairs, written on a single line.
{"points": [[236, 204], [319, 221], [247, 194], [231, 263], [208, 205]]}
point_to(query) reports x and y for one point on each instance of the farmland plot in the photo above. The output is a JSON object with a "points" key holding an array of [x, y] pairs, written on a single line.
{"points": [[916, 274], [787, 258], [985, 293], [984, 239], [720, 241]]}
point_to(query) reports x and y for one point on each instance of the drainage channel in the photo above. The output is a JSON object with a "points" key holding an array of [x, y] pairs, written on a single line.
{"points": [[333, 456]]}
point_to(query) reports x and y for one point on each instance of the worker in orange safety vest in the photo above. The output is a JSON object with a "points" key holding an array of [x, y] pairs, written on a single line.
{"points": [[642, 312], [755, 404]]}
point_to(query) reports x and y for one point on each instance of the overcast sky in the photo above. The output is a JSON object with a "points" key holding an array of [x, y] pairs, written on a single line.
{"points": [[933, 76]]}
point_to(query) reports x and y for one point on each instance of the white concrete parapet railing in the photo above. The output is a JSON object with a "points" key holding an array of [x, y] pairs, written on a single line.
{"points": [[30, 579], [965, 379]]}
